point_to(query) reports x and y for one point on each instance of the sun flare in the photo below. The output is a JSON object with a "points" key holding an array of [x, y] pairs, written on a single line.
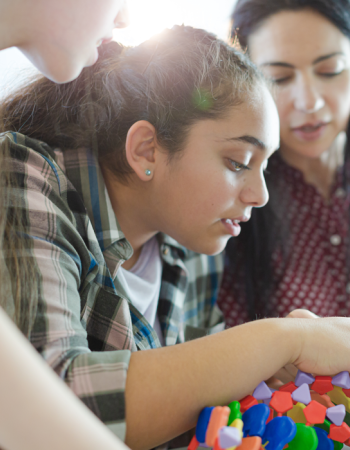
{"points": [[150, 18]]}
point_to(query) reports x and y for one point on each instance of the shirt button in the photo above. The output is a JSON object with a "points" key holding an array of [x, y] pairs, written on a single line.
{"points": [[340, 193], [335, 239], [347, 288], [165, 250]]}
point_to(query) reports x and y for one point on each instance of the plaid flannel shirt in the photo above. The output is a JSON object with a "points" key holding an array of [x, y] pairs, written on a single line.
{"points": [[86, 327]]}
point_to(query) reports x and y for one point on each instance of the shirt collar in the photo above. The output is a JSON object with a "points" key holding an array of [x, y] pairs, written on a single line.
{"points": [[84, 172]]}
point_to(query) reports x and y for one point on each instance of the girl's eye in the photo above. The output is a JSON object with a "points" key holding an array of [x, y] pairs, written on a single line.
{"points": [[238, 167]]}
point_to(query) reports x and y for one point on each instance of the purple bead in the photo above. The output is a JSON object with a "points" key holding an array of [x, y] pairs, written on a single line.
{"points": [[229, 437], [262, 391], [303, 377], [267, 400], [336, 414], [302, 394], [342, 380]]}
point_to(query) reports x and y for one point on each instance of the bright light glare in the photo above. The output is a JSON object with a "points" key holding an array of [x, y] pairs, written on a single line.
{"points": [[150, 17]]}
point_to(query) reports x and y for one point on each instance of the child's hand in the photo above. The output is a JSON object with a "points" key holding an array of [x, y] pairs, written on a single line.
{"points": [[288, 372], [325, 345], [285, 374], [302, 314]]}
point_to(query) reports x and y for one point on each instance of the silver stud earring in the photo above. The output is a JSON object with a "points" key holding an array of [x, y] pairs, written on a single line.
{"points": [[148, 172]]}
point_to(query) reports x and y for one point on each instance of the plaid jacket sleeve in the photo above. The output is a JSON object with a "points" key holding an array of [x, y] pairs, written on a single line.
{"points": [[62, 261]]}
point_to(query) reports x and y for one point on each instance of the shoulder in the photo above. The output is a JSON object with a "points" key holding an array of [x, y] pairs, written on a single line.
{"points": [[20, 145], [32, 162]]}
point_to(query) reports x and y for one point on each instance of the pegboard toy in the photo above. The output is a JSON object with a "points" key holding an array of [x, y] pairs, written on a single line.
{"points": [[311, 413]]}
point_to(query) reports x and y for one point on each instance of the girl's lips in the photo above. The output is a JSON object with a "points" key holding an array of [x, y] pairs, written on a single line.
{"points": [[232, 226], [309, 131]]}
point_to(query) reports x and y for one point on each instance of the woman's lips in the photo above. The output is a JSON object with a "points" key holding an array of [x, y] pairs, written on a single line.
{"points": [[103, 41], [310, 131]]}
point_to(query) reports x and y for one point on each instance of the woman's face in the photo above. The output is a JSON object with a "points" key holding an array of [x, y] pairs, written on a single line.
{"points": [[62, 36], [308, 59], [202, 195]]}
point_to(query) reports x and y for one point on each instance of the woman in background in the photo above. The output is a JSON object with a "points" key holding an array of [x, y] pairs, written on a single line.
{"points": [[37, 411], [294, 253]]}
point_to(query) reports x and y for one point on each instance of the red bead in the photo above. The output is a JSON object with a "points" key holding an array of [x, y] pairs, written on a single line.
{"points": [[281, 401], [217, 445], [194, 444], [270, 416], [289, 387], [322, 385], [315, 412], [250, 443], [247, 402], [340, 434], [323, 399], [347, 392]]}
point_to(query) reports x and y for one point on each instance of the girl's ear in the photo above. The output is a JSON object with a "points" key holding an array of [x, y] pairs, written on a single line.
{"points": [[140, 148]]}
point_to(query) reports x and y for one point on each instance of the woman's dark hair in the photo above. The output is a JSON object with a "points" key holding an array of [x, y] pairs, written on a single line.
{"points": [[268, 228], [248, 15], [174, 80]]}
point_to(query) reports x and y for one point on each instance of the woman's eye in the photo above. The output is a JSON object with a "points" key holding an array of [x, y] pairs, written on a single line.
{"points": [[330, 74], [238, 167], [281, 80]]}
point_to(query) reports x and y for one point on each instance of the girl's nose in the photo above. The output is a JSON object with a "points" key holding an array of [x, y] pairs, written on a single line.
{"points": [[255, 193]]}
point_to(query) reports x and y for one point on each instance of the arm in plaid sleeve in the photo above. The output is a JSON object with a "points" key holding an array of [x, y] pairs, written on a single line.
{"points": [[63, 263]]}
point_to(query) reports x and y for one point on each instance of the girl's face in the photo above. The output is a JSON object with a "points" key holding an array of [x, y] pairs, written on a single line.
{"points": [[308, 59], [202, 195], [63, 36]]}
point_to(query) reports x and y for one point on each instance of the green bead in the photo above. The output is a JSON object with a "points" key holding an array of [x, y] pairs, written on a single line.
{"points": [[347, 418], [326, 425], [338, 445], [235, 413], [305, 439]]}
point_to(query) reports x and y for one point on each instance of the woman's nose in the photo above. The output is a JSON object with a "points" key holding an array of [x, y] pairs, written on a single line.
{"points": [[122, 18], [307, 97]]}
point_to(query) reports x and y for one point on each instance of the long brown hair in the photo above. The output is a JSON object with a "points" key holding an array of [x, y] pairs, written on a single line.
{"points": [[180, 77]]}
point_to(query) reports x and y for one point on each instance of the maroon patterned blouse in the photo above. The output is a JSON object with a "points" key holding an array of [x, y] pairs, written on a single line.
{"points": [[315, 275]]}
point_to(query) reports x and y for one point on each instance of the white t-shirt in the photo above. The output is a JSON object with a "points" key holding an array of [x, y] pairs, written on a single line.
{"points": [[142, 283]]}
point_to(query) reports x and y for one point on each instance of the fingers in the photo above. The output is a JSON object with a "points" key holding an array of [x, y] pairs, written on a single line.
{"points": [[286, 374], [302, 314]]}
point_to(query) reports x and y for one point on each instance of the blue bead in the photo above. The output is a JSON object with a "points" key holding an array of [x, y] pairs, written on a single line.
{"points": [[254, 420], [202, 424]]}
